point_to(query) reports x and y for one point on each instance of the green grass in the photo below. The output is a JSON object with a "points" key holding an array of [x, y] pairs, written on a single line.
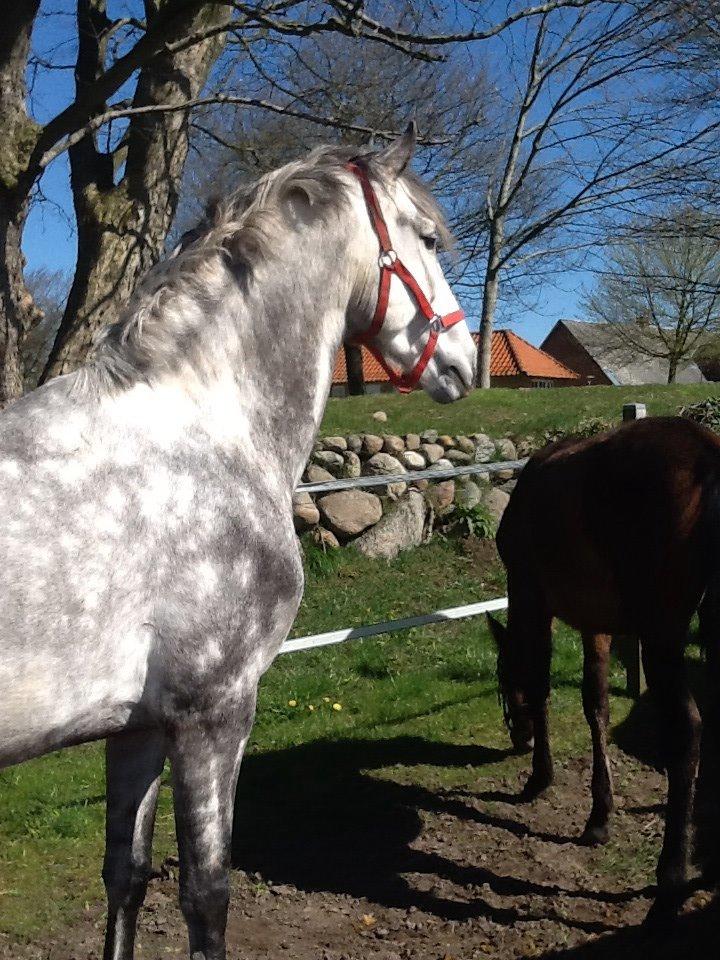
{"points": [[498, 412], [412, 705]]}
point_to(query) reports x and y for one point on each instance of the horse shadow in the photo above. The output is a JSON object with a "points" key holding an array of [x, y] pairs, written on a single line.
{"points": [[694, 934], [315, 817]]}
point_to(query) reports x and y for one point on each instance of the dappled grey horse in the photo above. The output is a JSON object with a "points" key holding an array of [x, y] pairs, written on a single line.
{"points": [[150, 570]]}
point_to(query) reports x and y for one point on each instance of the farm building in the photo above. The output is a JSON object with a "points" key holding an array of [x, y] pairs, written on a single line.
{"points": [[514, 363], [594, 351]]}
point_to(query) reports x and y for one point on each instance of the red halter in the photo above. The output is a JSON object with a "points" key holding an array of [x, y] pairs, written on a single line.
{"points": [[390, 264]]}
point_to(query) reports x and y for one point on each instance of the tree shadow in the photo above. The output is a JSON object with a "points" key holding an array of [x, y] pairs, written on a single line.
{"points": [[315, 816]]}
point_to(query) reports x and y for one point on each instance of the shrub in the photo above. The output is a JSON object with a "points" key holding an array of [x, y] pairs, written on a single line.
{"points": [[704, 411], [585, 428], [474, 521]]}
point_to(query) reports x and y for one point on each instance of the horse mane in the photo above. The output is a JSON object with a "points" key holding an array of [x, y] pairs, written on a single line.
{"points": [[166, 312]]}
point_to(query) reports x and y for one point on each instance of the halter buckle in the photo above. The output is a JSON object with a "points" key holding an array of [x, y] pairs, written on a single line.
{"points": [[387, 259]]}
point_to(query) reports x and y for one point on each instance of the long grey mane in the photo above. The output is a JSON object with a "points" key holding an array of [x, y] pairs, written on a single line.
{"points": [[163, 319]]}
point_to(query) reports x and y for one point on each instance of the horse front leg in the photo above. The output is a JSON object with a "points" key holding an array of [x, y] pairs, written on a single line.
{"points": [[134, 764], [205, 758], [596, 707], [680, 728], [537, 646]]}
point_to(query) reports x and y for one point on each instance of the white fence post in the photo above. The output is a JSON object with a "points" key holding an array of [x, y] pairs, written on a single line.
{"points": [[634, 411]]}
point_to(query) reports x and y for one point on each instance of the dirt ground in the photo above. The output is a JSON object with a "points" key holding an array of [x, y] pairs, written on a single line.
{"points": [[403, 871]]}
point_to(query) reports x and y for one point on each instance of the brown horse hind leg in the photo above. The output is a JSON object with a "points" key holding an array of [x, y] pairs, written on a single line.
{"points": [[596, 649], [707, 804], [679, 724]]}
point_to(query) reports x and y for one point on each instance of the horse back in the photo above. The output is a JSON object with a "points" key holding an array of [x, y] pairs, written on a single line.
{"points": [[613, 530]]}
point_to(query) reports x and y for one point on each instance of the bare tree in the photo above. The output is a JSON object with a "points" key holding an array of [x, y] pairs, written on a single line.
{"points": [[588, 143], [660, 290], [164, 55]]}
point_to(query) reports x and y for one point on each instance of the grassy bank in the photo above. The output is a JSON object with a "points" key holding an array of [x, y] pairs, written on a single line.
{"points": [[504, 412], [436, 684]]}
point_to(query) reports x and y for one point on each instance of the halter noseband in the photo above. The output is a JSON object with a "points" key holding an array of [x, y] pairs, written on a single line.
{"points": [[390, 264]]}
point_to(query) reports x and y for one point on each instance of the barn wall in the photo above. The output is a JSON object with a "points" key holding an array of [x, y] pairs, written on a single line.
{"points": [[562, 345]]}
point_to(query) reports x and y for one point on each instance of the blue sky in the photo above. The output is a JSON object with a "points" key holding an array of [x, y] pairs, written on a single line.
{"points": [[50, 241]]}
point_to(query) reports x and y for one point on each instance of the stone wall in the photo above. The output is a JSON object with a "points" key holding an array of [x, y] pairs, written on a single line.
{"points": [[381, 521]]}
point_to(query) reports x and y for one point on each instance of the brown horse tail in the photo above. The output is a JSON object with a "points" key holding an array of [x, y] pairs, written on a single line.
{"points": [[709, 607]]}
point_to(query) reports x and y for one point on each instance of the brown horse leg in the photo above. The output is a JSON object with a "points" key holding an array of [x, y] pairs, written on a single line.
{"points": [[680, 745], [537, 648], [707, 803], [597, 713]]}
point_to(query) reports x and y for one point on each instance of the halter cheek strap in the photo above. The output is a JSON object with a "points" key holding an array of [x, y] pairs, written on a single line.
{"points": [[390, 264]]}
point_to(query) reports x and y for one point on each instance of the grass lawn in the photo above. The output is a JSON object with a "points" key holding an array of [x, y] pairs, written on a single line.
{"points": [[436, 684], [515, 413]]}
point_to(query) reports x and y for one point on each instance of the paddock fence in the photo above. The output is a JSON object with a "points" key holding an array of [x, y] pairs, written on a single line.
{"points": [[631, 646]]}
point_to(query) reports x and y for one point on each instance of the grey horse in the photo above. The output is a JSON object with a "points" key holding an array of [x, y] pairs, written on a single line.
{"points": [[150, 570]]}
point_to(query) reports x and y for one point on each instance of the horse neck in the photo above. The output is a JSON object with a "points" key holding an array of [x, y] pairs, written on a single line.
{"points": [[287, 324]]}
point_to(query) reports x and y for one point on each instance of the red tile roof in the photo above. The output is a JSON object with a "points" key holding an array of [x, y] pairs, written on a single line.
{"points": [[511, 357]]}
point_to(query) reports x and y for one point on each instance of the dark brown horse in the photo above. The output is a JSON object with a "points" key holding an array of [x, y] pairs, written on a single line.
{"points": [[616, 534]]}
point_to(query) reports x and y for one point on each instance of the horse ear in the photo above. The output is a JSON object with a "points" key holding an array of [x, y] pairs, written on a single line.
{"points": [[398, 155], [497, 630], [299, 205]]}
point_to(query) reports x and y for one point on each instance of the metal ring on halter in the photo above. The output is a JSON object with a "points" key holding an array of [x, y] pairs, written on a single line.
{"points": [[387, 259], [436, 323]]}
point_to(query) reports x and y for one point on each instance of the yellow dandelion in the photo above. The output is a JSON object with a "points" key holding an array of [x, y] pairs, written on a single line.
{"points": [[337, 706], [292, 703], [326, 699], [311, 706]]}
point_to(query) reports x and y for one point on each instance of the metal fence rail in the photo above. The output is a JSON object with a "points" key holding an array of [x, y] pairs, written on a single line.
{"points": [[443, 473], [390, 626]]}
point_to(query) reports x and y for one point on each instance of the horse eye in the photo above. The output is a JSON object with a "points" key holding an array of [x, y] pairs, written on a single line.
{"points": [[430, 241]]}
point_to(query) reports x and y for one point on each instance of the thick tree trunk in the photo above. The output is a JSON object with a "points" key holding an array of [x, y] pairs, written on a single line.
{"points": [[19, 135], [354, 367], [15, 302], [122, 227]]}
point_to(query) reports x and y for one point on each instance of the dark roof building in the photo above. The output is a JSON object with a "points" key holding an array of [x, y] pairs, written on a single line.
{"points": [[599, 356]]}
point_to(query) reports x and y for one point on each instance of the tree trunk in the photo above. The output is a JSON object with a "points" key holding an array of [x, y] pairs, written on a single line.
{"points": [[19, 134], [491, 287], [354, 367], [490, 294], [122, 227], [673, 363]]}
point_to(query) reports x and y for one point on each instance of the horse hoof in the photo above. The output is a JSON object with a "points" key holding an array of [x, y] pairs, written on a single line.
{"points": [[534, 787], [594, 836], [664, 912], [710, 875]]}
